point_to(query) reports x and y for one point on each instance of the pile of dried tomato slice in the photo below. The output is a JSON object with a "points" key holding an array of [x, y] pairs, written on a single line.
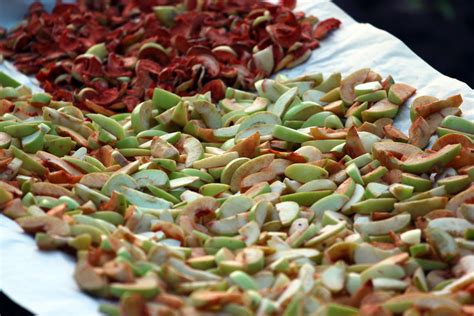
{"points": [[114, 53]]}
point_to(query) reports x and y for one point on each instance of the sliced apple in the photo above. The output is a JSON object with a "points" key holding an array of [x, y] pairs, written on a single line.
{"points": [[384, 152], [146, 286], [350, 82], [426, 109], [248, 146], [367, 87], [249, 167], [117, 182], [460, 198], [383, 227], [420, 133], [424, 163], [304, 172], [50, 224], [399, 93], [383, 108]]}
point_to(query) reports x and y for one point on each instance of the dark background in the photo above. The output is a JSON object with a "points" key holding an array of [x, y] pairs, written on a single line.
{"points": [[440, 31]]}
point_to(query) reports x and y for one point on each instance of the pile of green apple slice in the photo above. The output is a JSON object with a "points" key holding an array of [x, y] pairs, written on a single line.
{"points": [[299, 199]]}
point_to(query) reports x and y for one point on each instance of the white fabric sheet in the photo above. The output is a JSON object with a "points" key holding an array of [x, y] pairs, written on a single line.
{"points": [[42, 282]]}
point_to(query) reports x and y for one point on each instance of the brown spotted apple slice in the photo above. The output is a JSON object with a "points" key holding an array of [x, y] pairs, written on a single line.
{"points": [[424, 163], [466, 196], [381, 109], [348, 84], [390, 153], [426, 109], [202, 209], [248, 168], [248, 146], [420, 133], [49, 224], [395, 134], [354, 146], [400, 92]]}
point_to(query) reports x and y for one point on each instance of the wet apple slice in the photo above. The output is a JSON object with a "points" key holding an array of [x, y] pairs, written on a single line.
{"points": [[424, 301], [216, 160], [117, 182], [235, 205], [304, 172], [424, 163], [141, 117], [88, 278], [270, 89]]}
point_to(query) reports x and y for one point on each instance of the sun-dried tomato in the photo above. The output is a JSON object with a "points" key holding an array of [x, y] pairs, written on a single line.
{"points": [[209, 46]]}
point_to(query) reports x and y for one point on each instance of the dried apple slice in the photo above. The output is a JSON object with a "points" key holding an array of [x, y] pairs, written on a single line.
{"points": [[49, 224], [303, 172], [248, 146], [388, 153], [383, 227], [354, 147], [249, 167], [426, 109], [460, 198], [347, 84], [89, 279], [399, 93], [425, 163], [381, 109], [146, 286], [420, 133]]}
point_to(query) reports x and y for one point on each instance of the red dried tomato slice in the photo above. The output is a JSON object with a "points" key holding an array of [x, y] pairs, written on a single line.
{"points": [[290, 4], [209, 46]]}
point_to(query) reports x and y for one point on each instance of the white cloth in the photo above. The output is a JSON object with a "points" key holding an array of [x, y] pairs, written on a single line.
{"points": [[43, 283]]}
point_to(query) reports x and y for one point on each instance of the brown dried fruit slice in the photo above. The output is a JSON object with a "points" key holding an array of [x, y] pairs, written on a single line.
{"points": [[348, 84]]}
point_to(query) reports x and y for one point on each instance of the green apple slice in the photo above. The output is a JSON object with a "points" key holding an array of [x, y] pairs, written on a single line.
{"points": [[426, 163], [303, 172], [367, 87], [383, 227], [287, 212], [399, 93]]}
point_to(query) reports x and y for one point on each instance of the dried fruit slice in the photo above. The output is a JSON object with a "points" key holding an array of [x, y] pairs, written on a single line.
{"points": [[347, 84], [425, 163]]}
